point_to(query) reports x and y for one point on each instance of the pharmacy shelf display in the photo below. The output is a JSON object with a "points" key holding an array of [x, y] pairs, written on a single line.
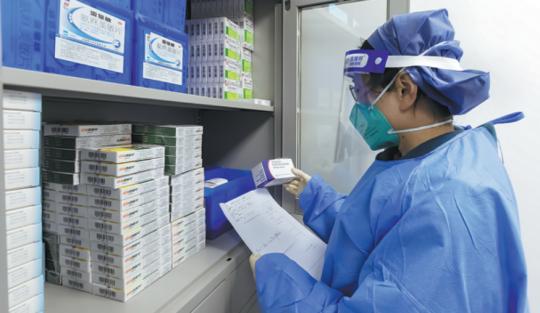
{"points": [[61, 86]]}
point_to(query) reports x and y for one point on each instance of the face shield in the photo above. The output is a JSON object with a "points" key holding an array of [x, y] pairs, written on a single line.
{"points": [[361, 90]]}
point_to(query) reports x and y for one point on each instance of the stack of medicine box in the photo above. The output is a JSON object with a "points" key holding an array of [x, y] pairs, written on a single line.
{"points": [[63, 143], [215, 68], [239, 11], [121, 241], [61, 174], [183, 145], [22, 207]]}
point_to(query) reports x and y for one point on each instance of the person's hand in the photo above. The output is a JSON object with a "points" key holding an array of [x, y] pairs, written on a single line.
{"points": [[297, 185], [252, 261]]}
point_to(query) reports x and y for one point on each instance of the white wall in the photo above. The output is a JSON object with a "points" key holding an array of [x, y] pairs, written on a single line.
{"points": [[504, 39]]}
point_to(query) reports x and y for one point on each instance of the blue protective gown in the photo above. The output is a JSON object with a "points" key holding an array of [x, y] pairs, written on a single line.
{"points": [[436, 233]]}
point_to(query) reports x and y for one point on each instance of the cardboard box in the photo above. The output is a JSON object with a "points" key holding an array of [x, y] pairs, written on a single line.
{"points": [[86, 142], [21, 139], [122, 205], [122, 169], [72, 221], [188, 142], [110, 215], [117, 239], [67, 166], [124, 192], [86, 130], [24, 254], [183, 152], [118, 261], [73, 232], [26, 291], [185, 167], [61, 178], [22, 198], [75, 263], [115, 271], [191, 176], [118, 294], [122, 154], [61, 154], [85, 286], [22, 178], [68, 209], [74, 241], [114, 282], [23, 217], [21, 100], [273, 172], [15, 159], [65, 198], [119, 227], [192, 188], [34, 304], [116, 249], [162, 182], [23, 120], [23, 236], [168, 130], [118, 182], [78, 189], [24, 273], [75, 252], [76, 275]]}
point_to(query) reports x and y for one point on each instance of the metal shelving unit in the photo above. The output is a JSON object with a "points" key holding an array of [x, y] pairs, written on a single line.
{"points": [[237, 134], [61, 86], [183, 287]]}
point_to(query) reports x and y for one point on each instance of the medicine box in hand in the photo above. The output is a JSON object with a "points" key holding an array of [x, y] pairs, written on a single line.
{"points": [[273, 172]]}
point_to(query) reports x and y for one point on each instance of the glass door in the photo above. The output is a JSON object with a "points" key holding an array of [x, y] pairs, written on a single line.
{"points": [[326, 32]]}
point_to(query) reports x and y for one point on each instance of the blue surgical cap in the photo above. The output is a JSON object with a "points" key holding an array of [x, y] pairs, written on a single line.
{"points": [[413, 34]]}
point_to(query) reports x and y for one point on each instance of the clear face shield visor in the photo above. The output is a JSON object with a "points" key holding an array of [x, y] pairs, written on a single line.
{"points": [[362, 86]]}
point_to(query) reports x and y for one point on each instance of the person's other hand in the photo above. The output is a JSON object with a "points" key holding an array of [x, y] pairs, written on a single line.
{"points": [[297, 185], [252, 261]]}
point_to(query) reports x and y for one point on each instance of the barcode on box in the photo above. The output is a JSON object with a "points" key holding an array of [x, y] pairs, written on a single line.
{"points": [[105, 248], [105, 258], [74, 241], [102, 215], [106, 270], [74, 274], [103, 202], [102, 226], [59, 130], [73, 263], [75, 284], [70, 210], [95, 180], [70, 220], [70, 198], [97, 155], [72, 231], [102, 191], [73, 253], [107, 281], [107, 293], [105, 237]]}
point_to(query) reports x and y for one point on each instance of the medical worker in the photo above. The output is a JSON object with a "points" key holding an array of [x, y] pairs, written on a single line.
{"points": [[432, 226]]}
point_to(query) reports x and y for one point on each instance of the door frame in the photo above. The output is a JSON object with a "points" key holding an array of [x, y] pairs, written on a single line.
{"points": [[290, 136]]}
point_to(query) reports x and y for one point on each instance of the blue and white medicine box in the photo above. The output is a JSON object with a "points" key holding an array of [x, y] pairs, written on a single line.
{"points": [[160, 56], [169, 12], [89, 39], [222, 185], [273, 172], [23, 35]]}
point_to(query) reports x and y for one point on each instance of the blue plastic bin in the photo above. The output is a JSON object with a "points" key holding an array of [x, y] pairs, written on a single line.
{"points": [[239, 183], [169, 12], [160, 56], [75, 50], [23, 33]]}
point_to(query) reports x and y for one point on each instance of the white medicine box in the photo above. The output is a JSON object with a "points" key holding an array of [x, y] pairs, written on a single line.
{"points": [[273, 172]]}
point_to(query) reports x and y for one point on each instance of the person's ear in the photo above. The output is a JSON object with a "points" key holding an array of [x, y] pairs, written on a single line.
{"points": [[407, 91]]}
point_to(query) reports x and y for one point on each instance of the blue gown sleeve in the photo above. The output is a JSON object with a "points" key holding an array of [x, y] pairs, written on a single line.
{"points": [[320, 204]]}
